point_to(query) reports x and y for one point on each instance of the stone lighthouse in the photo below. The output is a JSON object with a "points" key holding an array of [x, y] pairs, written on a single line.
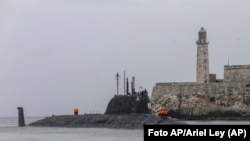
{"points": [[202, 57]]}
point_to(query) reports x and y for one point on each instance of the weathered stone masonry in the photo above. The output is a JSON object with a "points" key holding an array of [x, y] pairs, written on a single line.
{"points": [[198, 99], [202, 57], [208, 93]]}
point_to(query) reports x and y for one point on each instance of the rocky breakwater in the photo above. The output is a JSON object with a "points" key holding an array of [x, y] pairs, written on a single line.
{"points": [[131, 121]]}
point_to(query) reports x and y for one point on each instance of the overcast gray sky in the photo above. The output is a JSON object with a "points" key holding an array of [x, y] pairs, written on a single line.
{"points": [[56, 55]]}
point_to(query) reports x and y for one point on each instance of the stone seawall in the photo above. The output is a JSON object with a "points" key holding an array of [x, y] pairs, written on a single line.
{"points": [[196, 100]]}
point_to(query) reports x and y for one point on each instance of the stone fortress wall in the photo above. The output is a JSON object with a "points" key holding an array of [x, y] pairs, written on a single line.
{"points": [[237, 73], [208, 93]]}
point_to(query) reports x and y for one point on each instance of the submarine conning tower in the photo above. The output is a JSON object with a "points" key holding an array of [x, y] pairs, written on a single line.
{"points": [[134, 102]]}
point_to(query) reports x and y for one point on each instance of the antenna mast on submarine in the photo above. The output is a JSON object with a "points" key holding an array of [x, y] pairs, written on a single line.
{"points": [[124, 84], [133, 85], [117, 77], [127, 87]]}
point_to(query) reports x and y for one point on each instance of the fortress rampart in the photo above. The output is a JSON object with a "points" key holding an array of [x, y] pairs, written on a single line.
{"points": [[237, 74], [208, 94], [200, 99]]}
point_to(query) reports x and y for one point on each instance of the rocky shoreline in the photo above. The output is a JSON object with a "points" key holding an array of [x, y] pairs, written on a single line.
{"points": [[128, 121]]}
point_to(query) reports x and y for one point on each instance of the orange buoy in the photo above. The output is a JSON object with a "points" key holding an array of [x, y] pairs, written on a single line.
{"points": [[163, 112], [76, 110]]}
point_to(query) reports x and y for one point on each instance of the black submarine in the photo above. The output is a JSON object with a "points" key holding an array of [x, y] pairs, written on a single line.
{"points": [[131, 110]]}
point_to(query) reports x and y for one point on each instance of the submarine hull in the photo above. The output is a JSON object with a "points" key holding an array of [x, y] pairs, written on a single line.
{"points": [[131, 121]]}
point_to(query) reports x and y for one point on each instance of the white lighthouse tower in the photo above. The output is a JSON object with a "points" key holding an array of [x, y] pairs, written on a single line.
{"points": [[202, 57]]}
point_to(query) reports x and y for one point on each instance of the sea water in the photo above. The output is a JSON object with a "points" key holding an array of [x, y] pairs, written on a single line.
{"points": [[9, 131]]}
